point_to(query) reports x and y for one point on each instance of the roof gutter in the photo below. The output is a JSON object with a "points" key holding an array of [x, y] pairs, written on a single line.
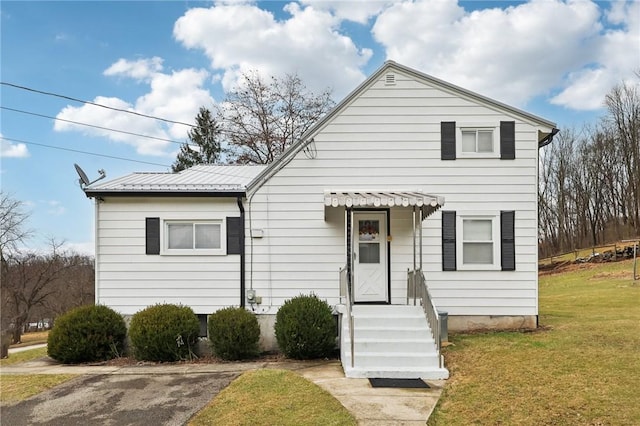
{"points": [[548, 138], [106, 193]]}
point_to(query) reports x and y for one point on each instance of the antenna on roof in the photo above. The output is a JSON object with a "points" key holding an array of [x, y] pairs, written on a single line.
{"points": [[84, 180]]}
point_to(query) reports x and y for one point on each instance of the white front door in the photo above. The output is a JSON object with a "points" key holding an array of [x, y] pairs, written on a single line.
{"points": [[370, 257]]}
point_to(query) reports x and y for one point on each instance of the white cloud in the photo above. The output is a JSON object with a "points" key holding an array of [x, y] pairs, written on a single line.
{"points": [[141, 69], [9, 149], [616, 57], [55, 208], [511, 54], [238, 38], [176, 96], [359, 11]]}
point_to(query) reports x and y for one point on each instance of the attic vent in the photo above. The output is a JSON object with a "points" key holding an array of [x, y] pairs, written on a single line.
{"points": [[390, 80]]}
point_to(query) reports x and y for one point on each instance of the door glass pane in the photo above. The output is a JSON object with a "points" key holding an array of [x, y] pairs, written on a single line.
{"points": [[469, 141], [476, 230], [180, 236], [477, 253], [369, 230], [369, 252], [485, 141], [208, 236]]}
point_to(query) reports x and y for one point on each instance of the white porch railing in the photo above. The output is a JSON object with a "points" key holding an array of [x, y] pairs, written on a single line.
{"points": [[346, 293], [417, 290]]}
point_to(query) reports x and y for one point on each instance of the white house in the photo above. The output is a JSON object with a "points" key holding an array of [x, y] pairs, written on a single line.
{"points": [[354, 212]]}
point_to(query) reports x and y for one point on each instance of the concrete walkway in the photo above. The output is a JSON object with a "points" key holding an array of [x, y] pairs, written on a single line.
{"points": [[370, 406]]}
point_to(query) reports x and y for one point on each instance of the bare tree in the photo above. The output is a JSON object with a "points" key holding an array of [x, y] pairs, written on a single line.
{"points": [[623, 106], [261, 120], [13, 231], [589, 188], [30, 281]]}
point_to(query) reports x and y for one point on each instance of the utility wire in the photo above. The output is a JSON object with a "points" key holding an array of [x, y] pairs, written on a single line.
{"points": [[89, 125], [4, 83], [211, 172], [81, 152]]}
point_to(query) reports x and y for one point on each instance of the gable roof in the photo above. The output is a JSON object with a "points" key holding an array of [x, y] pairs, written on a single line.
{"points": [[205, 180], [305, 139]]}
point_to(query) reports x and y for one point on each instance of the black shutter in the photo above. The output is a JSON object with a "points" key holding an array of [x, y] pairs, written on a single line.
{"points": [[152, 235], [448, 241], [235, 234], [507, 140], [448, 140], [507, 241]]}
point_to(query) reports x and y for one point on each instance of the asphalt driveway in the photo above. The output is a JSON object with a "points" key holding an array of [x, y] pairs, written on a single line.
{"points": [[131, 399]]}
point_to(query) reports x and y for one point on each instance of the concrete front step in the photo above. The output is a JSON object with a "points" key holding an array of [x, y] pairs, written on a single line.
{"points": [[394, 359], [392, 341], [397, 373], [391, 332], [396, 345]]}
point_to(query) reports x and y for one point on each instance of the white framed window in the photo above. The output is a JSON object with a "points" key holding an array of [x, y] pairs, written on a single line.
{"points": [[477, 141], [478, 241], [202, 237]]}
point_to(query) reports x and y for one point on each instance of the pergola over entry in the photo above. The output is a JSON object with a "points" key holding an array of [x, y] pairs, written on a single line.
{"points": [[422, 205]]}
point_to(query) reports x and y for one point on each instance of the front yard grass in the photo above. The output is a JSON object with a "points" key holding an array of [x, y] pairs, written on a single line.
{"points": [[583, 367], [15, 388], [273, 397], [24, 356]]}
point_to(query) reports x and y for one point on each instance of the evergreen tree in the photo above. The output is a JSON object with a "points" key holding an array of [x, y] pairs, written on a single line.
{"points": [[205, 136]]}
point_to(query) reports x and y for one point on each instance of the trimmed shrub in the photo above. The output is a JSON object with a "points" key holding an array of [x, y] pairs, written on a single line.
{"points": [[87, 334], [305, 328], [164, 332], [234, 334]]}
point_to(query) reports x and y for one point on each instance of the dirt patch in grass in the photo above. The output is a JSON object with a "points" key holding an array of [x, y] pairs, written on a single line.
{"points": [[605, 275]]}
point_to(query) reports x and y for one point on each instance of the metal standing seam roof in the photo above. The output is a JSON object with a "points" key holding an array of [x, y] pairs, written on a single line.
{"points": [[201, 178]]}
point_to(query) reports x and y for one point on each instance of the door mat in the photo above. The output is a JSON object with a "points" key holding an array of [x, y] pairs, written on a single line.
{"points": [[399, 383]]}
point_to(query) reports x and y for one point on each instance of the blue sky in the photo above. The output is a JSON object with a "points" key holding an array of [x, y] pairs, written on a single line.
{"points": [[555, 59]]}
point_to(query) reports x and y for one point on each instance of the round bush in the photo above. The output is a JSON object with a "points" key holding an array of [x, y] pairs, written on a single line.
{"points": [[305, 328], [234, 334], [164, 332], [87, 334]]}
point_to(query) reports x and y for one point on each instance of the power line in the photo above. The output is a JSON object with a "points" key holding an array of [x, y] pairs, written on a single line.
{"points": [[42, 92], [211, 172], [89, 125], [81, 152]]}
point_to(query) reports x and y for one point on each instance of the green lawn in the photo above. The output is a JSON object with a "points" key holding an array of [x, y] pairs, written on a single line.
{"points": [[15, 388], [273, 397], [583, 368]]}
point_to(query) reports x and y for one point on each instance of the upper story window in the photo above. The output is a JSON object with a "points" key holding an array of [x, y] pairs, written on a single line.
{"points": [[483, 140], [477, 141]]}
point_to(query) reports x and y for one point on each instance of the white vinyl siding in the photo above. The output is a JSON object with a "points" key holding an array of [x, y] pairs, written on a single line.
{"points": [[389, 138], [129, 280]]}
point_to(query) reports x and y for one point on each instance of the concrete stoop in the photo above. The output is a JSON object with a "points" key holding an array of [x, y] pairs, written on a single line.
{"points": [[390, 341]]}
